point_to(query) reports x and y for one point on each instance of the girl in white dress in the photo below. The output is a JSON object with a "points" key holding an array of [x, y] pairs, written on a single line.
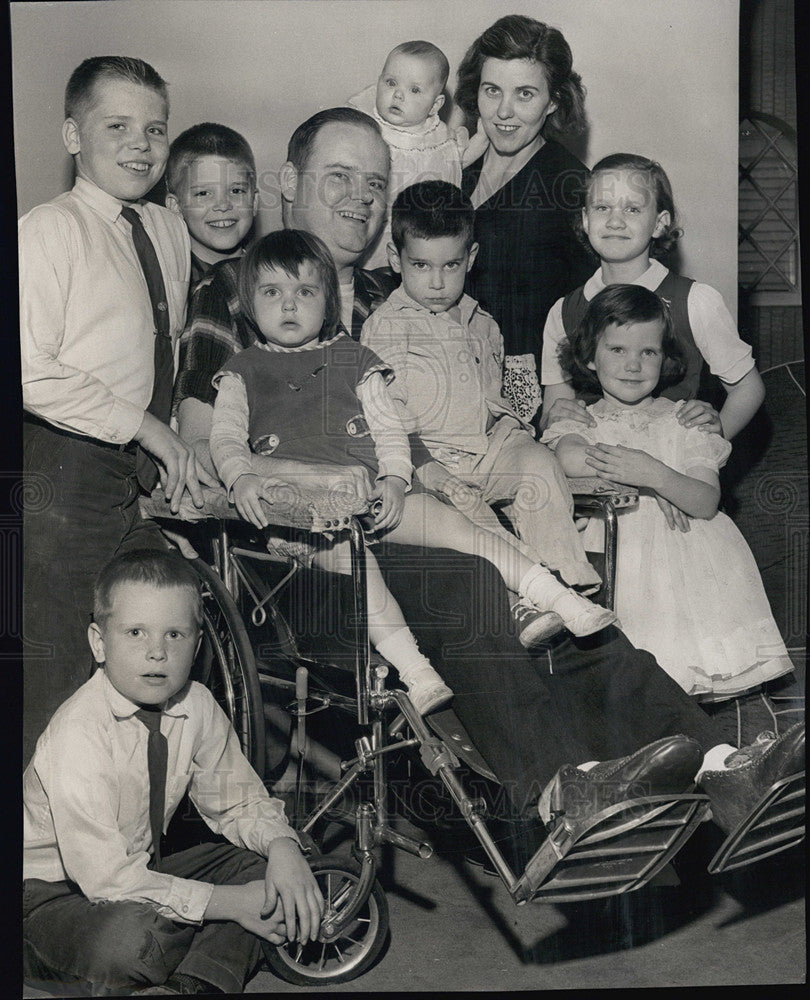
{"points": [[693, 598]]}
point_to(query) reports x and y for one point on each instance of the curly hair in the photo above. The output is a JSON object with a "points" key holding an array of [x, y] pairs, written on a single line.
{"points": [[620, 304], [287, 250], [519, 37], [652, 174]]}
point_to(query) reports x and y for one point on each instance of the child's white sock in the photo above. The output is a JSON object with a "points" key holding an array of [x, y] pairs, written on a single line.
{"points": [[581, 616], [425, 686], [715, 759]]}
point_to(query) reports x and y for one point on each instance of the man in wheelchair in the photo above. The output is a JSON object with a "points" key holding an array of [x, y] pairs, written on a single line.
{"points": [[572, 702]]}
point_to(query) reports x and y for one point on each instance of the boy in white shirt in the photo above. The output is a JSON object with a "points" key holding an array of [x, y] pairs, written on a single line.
{"points": [[97, 910], [96, 358]]}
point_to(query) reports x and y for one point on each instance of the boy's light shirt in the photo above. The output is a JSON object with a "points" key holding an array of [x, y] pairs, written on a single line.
{"points": [[86, 796], [729, 358], [447, 373], [86, 324]]}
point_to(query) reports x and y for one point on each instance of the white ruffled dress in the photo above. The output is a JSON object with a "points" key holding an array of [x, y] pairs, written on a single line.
{"points": [[695, 599]]}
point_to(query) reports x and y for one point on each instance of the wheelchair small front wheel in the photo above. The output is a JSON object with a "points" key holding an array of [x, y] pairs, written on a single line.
{"points": [[351, 954]]}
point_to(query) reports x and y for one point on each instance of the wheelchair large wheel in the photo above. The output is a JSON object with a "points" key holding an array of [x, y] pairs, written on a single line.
{"points": [[226, 666], [319, 963]]}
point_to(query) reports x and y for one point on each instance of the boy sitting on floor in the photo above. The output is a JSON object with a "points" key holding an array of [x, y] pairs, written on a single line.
{"points": [[97, 909], [211, 184]]}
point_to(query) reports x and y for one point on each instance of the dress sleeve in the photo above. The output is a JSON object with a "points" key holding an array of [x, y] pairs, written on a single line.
{"points": [[553, 335], [697, 449], [230, 429], [560, 428], [716, 336], [390, 438]]}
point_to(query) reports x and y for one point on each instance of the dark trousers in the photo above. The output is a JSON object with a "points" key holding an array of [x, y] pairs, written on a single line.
{"points": [[528, 714], [81, 509], [111, 948]]}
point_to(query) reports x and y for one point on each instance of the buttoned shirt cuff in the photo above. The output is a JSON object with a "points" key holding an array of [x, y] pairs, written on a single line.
{"points": [[123, 423], [395, 467], [188, 901], [261, 839]]}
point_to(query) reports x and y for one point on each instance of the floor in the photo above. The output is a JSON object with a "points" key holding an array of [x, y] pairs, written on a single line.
{"points": [[455, 928]]}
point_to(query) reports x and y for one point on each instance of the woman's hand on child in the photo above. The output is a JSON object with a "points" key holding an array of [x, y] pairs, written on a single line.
{"points": [[248, 493], [629, 466], [290, 883], [696, 413], [569, 409], [391, 494]]}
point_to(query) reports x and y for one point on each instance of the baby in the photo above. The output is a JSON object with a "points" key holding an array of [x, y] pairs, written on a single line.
{"points": [[405, 103]]}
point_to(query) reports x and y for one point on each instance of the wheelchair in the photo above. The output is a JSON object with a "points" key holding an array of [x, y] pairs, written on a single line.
{"points": [[618, 850]]}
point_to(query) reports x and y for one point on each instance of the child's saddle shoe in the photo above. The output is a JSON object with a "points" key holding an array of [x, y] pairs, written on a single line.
{"points": [[751, 771]]}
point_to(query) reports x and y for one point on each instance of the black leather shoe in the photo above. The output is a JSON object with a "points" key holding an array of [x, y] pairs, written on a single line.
{"points": [[752, 770], [665, 767]]}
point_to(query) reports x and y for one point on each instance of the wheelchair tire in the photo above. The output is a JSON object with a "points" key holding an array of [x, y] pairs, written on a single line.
{"points": [[318, 963], [225, 664]]}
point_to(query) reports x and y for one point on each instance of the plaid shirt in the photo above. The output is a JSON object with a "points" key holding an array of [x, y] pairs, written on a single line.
{"points": [[216, 328]]}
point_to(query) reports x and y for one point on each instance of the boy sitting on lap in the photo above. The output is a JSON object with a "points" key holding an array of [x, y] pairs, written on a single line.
{"points": [[97, 909], [447, 356], [211, 185]]}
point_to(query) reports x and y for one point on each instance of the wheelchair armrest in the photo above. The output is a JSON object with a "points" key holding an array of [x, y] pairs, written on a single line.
{"points": [[585, 488], [292, 506]]}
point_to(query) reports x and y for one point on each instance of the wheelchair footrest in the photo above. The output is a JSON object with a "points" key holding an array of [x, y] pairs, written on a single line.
{"points": [[447, 726], [614, 851], [775, 824]]}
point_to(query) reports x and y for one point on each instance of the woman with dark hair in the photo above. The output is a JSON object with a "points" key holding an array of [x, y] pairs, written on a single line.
{"points": [[517, 81]]}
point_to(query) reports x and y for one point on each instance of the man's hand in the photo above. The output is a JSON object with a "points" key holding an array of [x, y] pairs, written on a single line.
{"points": [[177, 464], [391, 494], [289, 882], [696, 413], [569, 409], [248, 491]]}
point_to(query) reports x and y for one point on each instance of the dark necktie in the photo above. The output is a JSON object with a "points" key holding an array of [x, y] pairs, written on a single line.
{"points": [[157, 756], [161, 402]]}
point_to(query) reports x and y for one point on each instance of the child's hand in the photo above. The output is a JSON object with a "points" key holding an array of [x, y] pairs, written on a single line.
{"points": [[178, 467], [436, 477], [675, 517], [248, 492], [290, 883], [696, 413], [244, 904], [569, 409], [622, 465], [391, 494]]}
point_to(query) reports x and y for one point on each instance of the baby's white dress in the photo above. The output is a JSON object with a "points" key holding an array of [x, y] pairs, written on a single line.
{"points": [[430, 151], [694, 599]]}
